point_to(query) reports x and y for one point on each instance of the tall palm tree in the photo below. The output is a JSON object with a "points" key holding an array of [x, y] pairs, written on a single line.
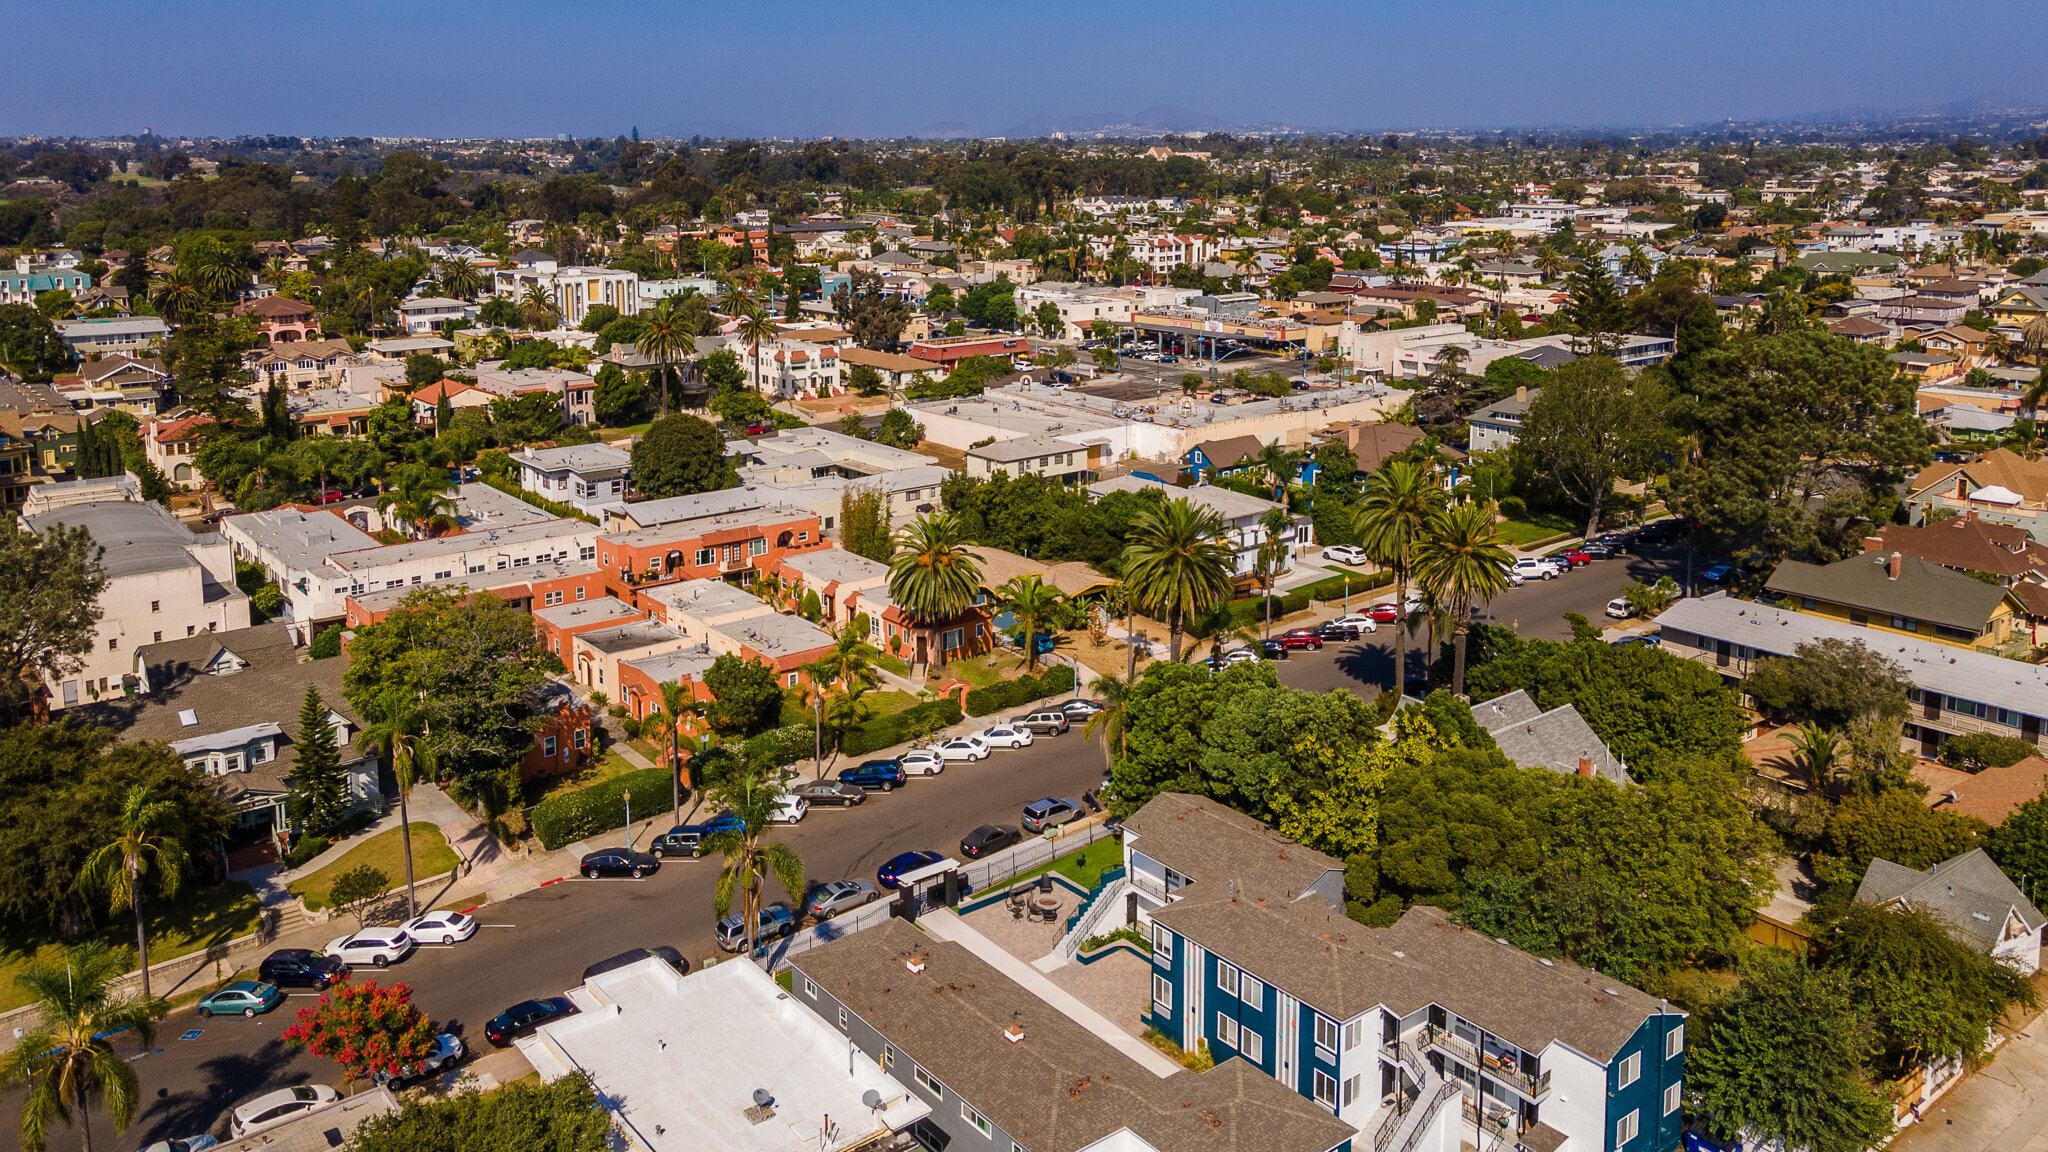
{"points": [[1032, 602], [748, 859], [460, 278], [1114, 692], [274, 271], [1397, 509], [178, 299], [66, 1061], [399, 733], [1271, 562], [1283, 465], [149, 836], [538, 307], [2036, 395], [1463, 561], [932, 576], [418, 496], [849, 666], [220, 272], [667, 338], [1178, 564], [1550, 262], [2034, 337], [680, 709], [1637, 262], [756, 325]]}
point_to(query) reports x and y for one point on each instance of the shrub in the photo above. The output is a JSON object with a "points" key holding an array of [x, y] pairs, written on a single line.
{"points": [[567, 817], [1513, 507], [1333, 589], [1980, 750], [631, 725], [1022, 690], [1127, 935], [326, 645], [780, 747], [885, 731], [307, 848]]}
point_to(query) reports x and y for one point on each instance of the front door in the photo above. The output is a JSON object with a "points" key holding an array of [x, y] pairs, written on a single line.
{"points": [[921, 658]]}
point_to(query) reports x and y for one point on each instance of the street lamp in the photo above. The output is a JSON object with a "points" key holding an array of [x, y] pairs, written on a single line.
{"points": [[628, 794]]}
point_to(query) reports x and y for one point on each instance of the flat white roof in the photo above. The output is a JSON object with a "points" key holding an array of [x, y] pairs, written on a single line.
{"points": [[679, 1058]]}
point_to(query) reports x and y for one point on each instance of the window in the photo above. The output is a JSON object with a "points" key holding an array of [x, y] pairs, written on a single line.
{"points": [[113, 644], [889, 1056], [1326, 1089], [475, 568], [1674, 1041], [792, 679], [1251, 991], [547, 746], [1162, 992], [1625, 1129], [1353, 1088], [1671, 1095], [1226, 1030], [587, 552], [579, 592], [157, 638], [1162, 943], [758, 546], [444, 575], [156, 605], [581, 738], [842, 1017], [1326, 1033], [703, 557], [979, 1121], [1354, 1032], [1631, 1069], [1251, 1045], [927, 1080], [1226, 977]]}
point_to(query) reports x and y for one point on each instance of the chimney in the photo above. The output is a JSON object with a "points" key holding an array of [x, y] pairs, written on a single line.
{"points": [[1892, 565], [915, 963], [1585, 764], [1522, 394], [1970, 516], [1014, 1033], [21, 263], [1872, 543]]}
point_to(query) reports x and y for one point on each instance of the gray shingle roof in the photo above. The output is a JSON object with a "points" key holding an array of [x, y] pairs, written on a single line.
{"points": [[1062, 1087], [1214, 845], [1967, 891], [1556, 739], [1922, 590]]}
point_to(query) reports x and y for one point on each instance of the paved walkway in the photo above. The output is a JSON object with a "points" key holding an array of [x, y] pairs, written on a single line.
{"points": [[2001, 1107], [945, 925]]}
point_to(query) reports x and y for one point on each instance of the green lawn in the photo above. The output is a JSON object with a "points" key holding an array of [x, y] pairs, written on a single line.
{"points": [[592, 772], [431, 856], [893, 664], [198, 918], [1084, 866], [624, 431], [984, 670], [1535, 526]]}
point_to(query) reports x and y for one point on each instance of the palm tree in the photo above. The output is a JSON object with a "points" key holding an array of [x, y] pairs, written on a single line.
{"points": [[680, 708], [1462, 561], [460, 278], [1817, 749], [1637, 262], [178, 299], [66, 1061], [1115, 692], [2036, 394], [848, 665], [748, 861], [400, 734], [1549, 262], [538, 307], [1397, 509], [932, 576], [1450, 359], [1178, 564], [1032, 602], [150, 836], [418, 496], [220, 271], [275, 271], [667, 339], [2034, 337], [1283, 464], [757, 325]]}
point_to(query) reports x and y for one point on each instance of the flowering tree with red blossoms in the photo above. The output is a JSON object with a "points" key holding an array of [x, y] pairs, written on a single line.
{"points": [[365, 1029]]}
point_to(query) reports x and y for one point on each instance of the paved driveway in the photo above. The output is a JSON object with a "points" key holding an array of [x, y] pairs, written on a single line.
{"points": [[2002, 1107]]}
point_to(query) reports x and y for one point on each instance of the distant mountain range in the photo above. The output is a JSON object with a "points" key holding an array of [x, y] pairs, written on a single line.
{"points": [[1158, 120]]}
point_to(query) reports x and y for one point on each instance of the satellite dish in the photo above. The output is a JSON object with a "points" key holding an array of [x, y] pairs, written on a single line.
{"points": [[761, 1097], [871, 1098]]}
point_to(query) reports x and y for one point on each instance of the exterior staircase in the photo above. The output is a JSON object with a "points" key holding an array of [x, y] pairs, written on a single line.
{"points": [[1404, 1126]]}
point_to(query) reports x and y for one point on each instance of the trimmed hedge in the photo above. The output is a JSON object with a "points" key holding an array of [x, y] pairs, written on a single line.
{"points": [[1023, 690], [1333, 588], [567, 817], [884, 731], [780, 746]]}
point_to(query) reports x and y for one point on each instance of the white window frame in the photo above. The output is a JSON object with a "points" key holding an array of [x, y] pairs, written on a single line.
{"points": [[1162, 942], [1226, 976], [1162, 992], [1226, 1029], [1250, 1044], [1627, 1128], [1325, 1088], [1324, 1022], [1631, 1070], [1674, 1041], [979, 1121], [1671, 1097], [926, 1080], [1353, 1087], [842, 1017], [810, 988], [889, 1057], [1251, 991]]}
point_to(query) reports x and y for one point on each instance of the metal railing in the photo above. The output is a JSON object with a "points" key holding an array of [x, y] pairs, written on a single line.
{"points": [[1443, 1040], [1423, 1110]]}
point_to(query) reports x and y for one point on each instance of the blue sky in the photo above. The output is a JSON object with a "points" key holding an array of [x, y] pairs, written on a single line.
{"points": [[890, 67]]}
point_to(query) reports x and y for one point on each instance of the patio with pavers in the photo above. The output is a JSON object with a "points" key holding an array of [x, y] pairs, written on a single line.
{"points": [[1115, 985]]}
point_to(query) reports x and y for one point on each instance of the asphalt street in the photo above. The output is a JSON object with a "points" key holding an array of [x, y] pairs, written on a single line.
{"points": [[538, 944]]}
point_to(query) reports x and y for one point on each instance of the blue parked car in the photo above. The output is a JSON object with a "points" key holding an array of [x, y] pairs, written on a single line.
{"points": [[688, 839], [242, 998], [890, 875], [875, 775], [1717, 573]]}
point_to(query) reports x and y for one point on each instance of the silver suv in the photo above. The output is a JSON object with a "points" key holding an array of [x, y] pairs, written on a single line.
{"points": [[1050, 722]]}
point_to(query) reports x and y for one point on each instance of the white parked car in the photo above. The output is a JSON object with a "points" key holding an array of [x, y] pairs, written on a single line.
{"points": [[187, 1144], [1538, 568], [274, 1108], [379, 946], [1618, 608], [447, 1051], [1345, 553], [1514, 577], [969, 747], [444, 927], [1357, 620], [789, 810], [921, 762], [1007, 736]]}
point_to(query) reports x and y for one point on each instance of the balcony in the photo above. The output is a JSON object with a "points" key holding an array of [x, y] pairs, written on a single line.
{"points": [[1501, 1065], [735, 563]]}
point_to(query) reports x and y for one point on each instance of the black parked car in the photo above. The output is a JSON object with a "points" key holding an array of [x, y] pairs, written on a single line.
{"points": [[619, 862], [1272, 649], [1334, 632], [662, 952], [832, 792], [301, 968], [988, 838], [522, 1018]]}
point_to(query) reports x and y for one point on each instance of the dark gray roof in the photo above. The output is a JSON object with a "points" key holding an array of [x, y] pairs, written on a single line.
{"points": [[1556, 739], [271, 688], [1923, 590], [1342, 968], [1213, 845], [1968, 891], [1062, 1087]]}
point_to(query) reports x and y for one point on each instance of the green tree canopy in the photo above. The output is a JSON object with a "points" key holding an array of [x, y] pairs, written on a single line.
{"points": [[680, 455], [748, 699], [525, 1116]]}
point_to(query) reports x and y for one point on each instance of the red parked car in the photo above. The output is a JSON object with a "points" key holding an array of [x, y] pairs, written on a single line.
{"points": [[1385, 612], [1300, 638], [1573, 557]]}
